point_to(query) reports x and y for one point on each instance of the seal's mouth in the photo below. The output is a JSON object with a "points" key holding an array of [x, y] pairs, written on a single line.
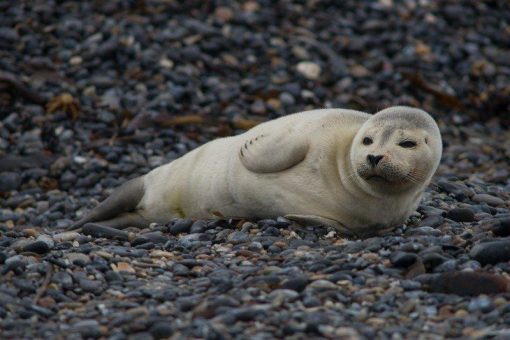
{"points": [[377, 178]]}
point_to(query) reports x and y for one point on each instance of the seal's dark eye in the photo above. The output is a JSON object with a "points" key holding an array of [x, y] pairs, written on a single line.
{"points": [[367, 141], [407, 144]]}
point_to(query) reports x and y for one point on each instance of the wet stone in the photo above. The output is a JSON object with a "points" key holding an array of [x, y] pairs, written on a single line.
{"points": [[91, 286], [9, 181], [238, 237], [39, 247], [461, 215], [403, 259], [489, 199], [181, 226], [491, 252], [501, 227], [469, 283]]}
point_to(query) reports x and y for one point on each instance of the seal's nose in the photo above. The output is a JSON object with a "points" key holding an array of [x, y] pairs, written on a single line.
{"points": [[374, 160]]}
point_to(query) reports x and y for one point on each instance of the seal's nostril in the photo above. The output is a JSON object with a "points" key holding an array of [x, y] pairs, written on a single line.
{"points": [[374, 160]]}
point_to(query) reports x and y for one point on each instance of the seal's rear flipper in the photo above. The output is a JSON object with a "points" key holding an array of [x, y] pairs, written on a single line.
{"points": [[319, 220], [123, 200]]}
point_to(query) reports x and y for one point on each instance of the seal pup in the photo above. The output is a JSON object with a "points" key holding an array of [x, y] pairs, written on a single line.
{"points": [[356, 172]]}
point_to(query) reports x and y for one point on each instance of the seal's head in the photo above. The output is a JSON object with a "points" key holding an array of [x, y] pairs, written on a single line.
{"points": [[396, 150]]}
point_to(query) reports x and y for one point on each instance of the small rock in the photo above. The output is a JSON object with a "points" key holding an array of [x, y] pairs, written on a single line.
{"points": [[39, 247], [9, 181], [491, 252], [309, 69], [238, 237], [469, 283], [489, 199], [461, 215], [181, 226], [91, 286], [296, 283], [501, 227], [66, 236], [481, 303], [198, 227], [402, 259], [78, 258], [161, 329]]}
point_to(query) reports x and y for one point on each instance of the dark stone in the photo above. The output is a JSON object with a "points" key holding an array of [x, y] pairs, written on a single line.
{"points": [[491, 252], [181, 226], [9, 181], [469, 283], [238, 237], [198, 227], [501, 227], [161, 329], [402, 259], [461, 215], [91, 286], [295, 283], [432, 260], [39, 247]]}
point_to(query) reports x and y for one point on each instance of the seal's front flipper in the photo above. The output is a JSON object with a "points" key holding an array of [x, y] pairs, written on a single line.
{"points": [[273, 151], [124, 199], [318, 220]]}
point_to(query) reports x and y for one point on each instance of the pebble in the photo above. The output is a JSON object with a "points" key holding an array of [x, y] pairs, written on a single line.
{"points": [[9, 181], [489, 199], [491, 252], [403, 259], [469, 283], [461, 215], [181, 226], [39, 247], [309, 70], [238, 237], [501, 227]]}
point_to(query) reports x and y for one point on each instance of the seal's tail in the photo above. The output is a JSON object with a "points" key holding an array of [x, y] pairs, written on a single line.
{"points": [[123, 200]]}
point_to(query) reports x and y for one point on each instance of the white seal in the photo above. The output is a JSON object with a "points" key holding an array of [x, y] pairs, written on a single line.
{"points": [[347, 169]]}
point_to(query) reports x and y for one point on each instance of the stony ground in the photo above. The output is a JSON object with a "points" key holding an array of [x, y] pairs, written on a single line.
{"points": [[94, 93]]}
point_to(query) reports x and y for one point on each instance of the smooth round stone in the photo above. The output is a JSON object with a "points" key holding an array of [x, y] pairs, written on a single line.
{"points": [[402, 259], [482, 303], [9, 181], [461, 215], [63, 278], [46, 239], [282, 295], [296, 283], [66, 236], [489, 199], [161, 329], [198, 227], [91, 286], [501, 227], [309, 70], [424, 231], [78, 258], [491, 252], [39, 247], [238, 237], [181, 226]]}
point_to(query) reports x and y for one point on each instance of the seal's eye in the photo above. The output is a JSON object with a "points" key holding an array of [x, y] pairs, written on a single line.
{"points": [[407, 144], [367, 141]]}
